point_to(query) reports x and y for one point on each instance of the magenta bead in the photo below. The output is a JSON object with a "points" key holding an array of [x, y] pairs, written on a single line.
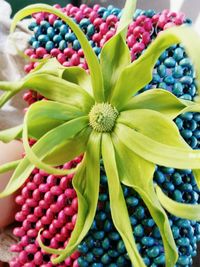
{"points": [[16, 248], [79, 16], [40, 52], [38, 225], [75, 264], [61, 58], [52, 18], [26, 225], [23, 257], [146, 38], [32, 218], [70, 193], [14, 263], [75, 255], [111, 19], [44, 188], [169, 25], [46, 234], [62, 216], [25, 240], [64, 183], [55, 52], [26, 193], [69, 211], [51, 180], [29, 264], [37, 195], [75, 60], [49, 197], [32, 248], [68, 261], [38, 258], [74, 218], [68, 52], [70, 226], [45, 220], [54, 243], [31, 202], [38, 179], [19, 232], [20, 217], [75, 204], [32, 233], [52, 229], [103, 28], [56, 190]]}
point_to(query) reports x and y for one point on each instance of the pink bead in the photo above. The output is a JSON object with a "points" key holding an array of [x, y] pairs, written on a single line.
{"points": [[52, 18], [148, 24], [75, 60], [57, 223], [60, 238], [29, 264], [31, 202], [138, 31], [96, 7], [74, 10], [46, 234], [19, 232], [31, 186], [37, 194], [57, 6], [39, 17], [65, 232], [146, 38], [75, 255], [38, 225], [29, 52], [68, 261], [97, 22], [49, 197], [70, 226], [69, 211], [64, 183], [87, 11], [138, 47], [25, 209], [23, 257], [68, 165], [92, 16], [45, 220], [75, 264], [97, 37], [27, 96], [66, 64], [25, 192], [131, 40], [52, 229], [162, 21], [16, 248], [38, 258], [109, 35], [54, 243], [40, 52], [51, 180], [49, 214], [111, 19], [32, 248], [32, 233], [61, 201], [102, 42], [83, 6], [55, 52], [25, 240], [43, 204], [20, 217], [38, 179], [26, 225], [15, 264], [56, 190], [79, 16], [61, 58], [54, 208], [74, 218], [140, 19], [70, 193], [169, 25], [75, 204], [62, 217], [44, 188], [32, 218], [103, 28]]}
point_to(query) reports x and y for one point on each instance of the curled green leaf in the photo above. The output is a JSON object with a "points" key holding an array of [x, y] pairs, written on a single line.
{"points": [[10, 166], [8, 135]]}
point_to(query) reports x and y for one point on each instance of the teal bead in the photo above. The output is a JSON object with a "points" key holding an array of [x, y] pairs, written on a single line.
{"points": [[106, 14], [114, 236], [133, 220], [107, 226], [193, 142], [97, 50], [169, 80], [57, 24], [163, 56], [139, 231], [178, 54], [121, 261], [43, 38], [159, 177], [94, 225], [83, 248], [153, 252], [150, 13], [186, 187], [99, 235], [32, 25], [185, 62], [49, 46], [70, 37], [183, 260], [104, 179], [175, 231], [84, 23], [177, 89], [146, 261], [186, 134], [179, 123], [116, 11], [35, 44], [90, 29], [31, 40], [147, 241], [101, 216], [168, 186], [103, 197], [101, 10], [89, 257], [113, 253], [50, 32], [192, 90], [112, 265], [168, 170], [64, 29], [177, 195], [148, 222], [97, 252], [193, 125], [177, 72], [76, 45], [107, 207], [156, 232], [177, 178], [197, 117], [82, 262], [140, 212], [45, 24], [97, 265], [156, 78], [106, 244], [105, 259], [37, 31], [160, 260], [186, 97], [57, 38], [161, 70], [197, 134], [90, 242], [132, 201], [187, 116], [186, 80], [121, 247], [170, 62], [62, 45]]}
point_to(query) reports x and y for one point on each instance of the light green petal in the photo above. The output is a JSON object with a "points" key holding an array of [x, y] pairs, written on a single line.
{"points": [[185, 211], [86, 183], [139, 73], [118, 206], [159, 100], [8, 135], [92, 60], [156, 152], [9, 166], [137, 173]]}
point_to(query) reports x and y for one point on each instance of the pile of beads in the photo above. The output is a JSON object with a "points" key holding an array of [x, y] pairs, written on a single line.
{"points": [[103, 245]]}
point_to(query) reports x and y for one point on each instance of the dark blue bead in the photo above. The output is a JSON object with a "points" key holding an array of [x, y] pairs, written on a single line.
{"points": [[140, 212], [98, 235], [97, 252], [106, 14], [113, 254], [105, 259], [121, 261], [106, 244], [83, 248], [132, 201], [82, 262], [84, 23], [177, 178], [90, 29], [114, 236], [97, 50], [160, 260], [108, 226], [197, 134], [121, 247], [89, 257]]}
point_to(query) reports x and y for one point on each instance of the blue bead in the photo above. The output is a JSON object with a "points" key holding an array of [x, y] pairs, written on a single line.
{"points": [[64, 29], [183, 260], [115, 11], [82, 262], [121, 247], [32, 25], [108, 226], [169, 80], [133, 220], [31, 40], [49, 46], [179, 123], [162, 85], [37, 31], [84, 23], [163, 56], [105, 259], [97, 265], [132, 201], [183, 241], [43, 38], [97, 50], [170, 62], [185, 62], [83, 248], [186, 134], [161, 70], [97, 251], [156, 78], [160, 260], [153, 252], [90, 29], [90, 242], [168, 186], [45, 24], [187, 116], [114, 236], [168, 170], [175, 231], [106, 14], [186, 97], [197, 134], [139, 230], [146, 261], [150, 13], [106, 244], [76, 45], [148, 222], [62, 45], [121, 261], [113, 254], [177, 195], [140, 212], [103, 197], [89, 257], [186, 80], [159, 177], [35, 44], [57, 38], [177, 89], [156, 232], [70, 37], [101, 10], [147, 241], [57, 24], [98, 235], [177, 72], [50, 32], [197, 117], [178, 54]]}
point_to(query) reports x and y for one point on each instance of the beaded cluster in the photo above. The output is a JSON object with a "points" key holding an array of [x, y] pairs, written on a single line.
{"points": [[49, 202]]}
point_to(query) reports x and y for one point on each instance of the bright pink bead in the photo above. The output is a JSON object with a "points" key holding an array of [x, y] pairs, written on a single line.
{"points": [[162, 21], [138, 47], [45, 220], [138, 31], [55, 52], [25, 192], [62, 217], [40, 52], [75, 264], [103, 28], [46, 234], [51, 180], [31, 202], [97, 22], [26, 209], [97, 37], [75, 60], [38, 258], [32, 218], [49, 214], [27, 96], [44, 173], [74, 218], [68, 261], [87, 11], [140, 19], [57, 223], [60, 238], [79, 16], [38, 179], [54, 208], [64, 183], [38, 225], [31, 248], [75, 204], [75, 255], [68, 52], [61, 201], [70, 226], [68, 165], [54, 243], [148, 24], [52, 18], [131, 40], [92, 16], [14, 263], [109, 35], [39, 17], [67, 64], [69, 211], [23, 257], [111, 19], [56, 190], [26, 225], [29, 264], [32, 233], [52, 229], [43, 204], [49, 197], [29, 52], [61, 58], [169, 25], [57, 6], [25, 240], [19, 231], [102, 42], [65, 232], [16, 248], [146, 38], [44, 188], [74, 10], [20, 217], [37, 194], [70, 193]]}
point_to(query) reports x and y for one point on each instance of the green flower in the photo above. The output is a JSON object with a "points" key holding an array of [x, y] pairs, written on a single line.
{"points": [[102, 116]]}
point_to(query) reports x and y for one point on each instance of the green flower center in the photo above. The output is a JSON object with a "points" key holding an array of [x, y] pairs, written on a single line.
{"points": [[103, 117]]}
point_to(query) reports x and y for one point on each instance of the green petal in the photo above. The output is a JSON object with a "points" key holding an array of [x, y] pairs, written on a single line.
{"points": [[137, 173], [9, 166], [185, 211], [92, 60], [153, 125], [46, 115], [78, 76], [86, 183], [196, 174], [139, 73], [156, 152], [115, 55], [42, 148], [118, 206], [8, 135], [159, 100]]}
